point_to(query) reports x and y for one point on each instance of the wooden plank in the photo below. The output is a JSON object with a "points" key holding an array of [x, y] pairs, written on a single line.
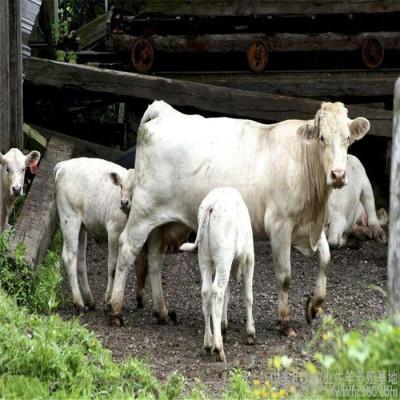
{"points": [[309, 84], [92, 32], [234, 102], [83, 148], [214, 8], [394, 217], [38, 218]]}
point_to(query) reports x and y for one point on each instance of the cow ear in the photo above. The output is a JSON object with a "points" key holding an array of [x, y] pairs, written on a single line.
{"points": [[32, 160], [115, 178], [358, 128], [306, 131]]}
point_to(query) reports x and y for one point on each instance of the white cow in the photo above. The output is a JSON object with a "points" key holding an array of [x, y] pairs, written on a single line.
{"points": [[285, 173], [352, 209], [12, 166], [225, 240], [93, 197]]}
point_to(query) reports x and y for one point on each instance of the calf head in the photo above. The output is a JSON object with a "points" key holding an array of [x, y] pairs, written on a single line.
{"points": [[126, 184], [13, 166], [332, 132]]}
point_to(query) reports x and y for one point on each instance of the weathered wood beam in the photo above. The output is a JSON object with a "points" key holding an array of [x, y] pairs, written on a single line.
{"points": [[394, 217], [215, 8], [37, 221], [226, 101]]}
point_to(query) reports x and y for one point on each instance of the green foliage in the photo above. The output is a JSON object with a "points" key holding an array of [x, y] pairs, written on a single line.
{"points": [[45, 357], [37, 290]]}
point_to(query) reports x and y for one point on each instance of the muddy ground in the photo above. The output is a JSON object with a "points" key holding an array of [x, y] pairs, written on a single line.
{"points": [[166, 348]]}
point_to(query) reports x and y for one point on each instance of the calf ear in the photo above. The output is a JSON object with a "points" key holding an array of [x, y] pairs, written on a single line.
{"points": [[358, 128], [306, 131], [115, 178], [32, 160]]}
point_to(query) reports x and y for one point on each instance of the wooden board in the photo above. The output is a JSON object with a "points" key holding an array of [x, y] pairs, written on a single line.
{"points": [[225, 101], [214, 8], [37, 221]]}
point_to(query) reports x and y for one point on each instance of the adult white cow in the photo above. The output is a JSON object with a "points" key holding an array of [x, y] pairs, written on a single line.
{"points": [[225, 242], [12, 168], [352, 209], [285, 173], [93, 197]]}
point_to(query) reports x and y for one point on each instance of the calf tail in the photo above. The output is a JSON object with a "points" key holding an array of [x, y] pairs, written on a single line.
{"points": [[203, 215]]}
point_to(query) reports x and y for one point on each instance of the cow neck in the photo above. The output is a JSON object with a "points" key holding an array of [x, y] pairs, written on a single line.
{"points": [[315, 182]]}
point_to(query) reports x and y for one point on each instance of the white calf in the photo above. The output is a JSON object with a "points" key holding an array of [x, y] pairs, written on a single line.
{"points": [[225, 240], [12, 167], [351, 210], [93, 197]]}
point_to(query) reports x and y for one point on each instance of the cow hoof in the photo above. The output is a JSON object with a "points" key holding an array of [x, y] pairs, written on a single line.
{"points": [[79, 309], [160, 320], [221, 356], [288, 331], [209, 349], [251, 340], [116, 320], [91, 306], [173, 316], [311, 311]]}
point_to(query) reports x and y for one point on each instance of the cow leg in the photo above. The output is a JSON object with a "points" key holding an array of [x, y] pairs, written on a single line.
{"points": [[335, 233], [280, 243], [70, 229], [206, 270], [156, 254], [248, 299], [142, 270], [82, 270], [315, 299]]}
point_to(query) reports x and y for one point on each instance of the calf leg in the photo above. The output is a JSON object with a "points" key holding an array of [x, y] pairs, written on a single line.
{"points": [[70, 229], [82, 270], [248, 299], [113, 246], [316, 298], [206, 270], [222, 271]]}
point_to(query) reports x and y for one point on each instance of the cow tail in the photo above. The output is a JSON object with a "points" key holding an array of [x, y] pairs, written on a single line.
{"points": [[202, 222], [57, 170]]}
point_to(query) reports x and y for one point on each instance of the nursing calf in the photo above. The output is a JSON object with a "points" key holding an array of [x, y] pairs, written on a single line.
{"points": [[351, 210], [12, 169], [225, 241], [93, 197]]}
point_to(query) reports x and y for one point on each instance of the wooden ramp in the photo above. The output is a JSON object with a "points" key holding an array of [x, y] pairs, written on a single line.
{"points": [[221, 100]]}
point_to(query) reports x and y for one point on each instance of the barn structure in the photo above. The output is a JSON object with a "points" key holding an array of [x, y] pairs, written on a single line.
{"points": [[60, 99]]}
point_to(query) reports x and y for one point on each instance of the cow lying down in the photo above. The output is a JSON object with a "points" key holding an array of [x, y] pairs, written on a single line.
{"points": [[225, 241], [94, 197], [12, 169], [351, 210]]}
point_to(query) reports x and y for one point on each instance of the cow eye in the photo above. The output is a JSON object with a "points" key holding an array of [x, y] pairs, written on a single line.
{"points": [[7, 170], [322, 139], [23, 170]]}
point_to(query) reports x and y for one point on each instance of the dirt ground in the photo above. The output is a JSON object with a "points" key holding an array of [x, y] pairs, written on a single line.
{"points": [[166, 348]]}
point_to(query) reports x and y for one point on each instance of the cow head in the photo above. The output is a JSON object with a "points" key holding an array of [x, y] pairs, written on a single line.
{"points": [[126, 184], [13, 166], [332, 132]]}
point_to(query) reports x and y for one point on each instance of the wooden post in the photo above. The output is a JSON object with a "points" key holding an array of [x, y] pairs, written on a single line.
{"points": [[4, 78], [394, 217], [10, 76]]}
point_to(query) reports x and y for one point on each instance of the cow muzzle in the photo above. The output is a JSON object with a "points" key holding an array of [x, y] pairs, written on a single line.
{"points": [[125, 205], [16, 190], [339, 178]]}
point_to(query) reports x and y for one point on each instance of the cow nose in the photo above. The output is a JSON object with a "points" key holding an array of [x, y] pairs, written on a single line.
{"points": [[338, 176], [16, 190], [124, 204]]}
